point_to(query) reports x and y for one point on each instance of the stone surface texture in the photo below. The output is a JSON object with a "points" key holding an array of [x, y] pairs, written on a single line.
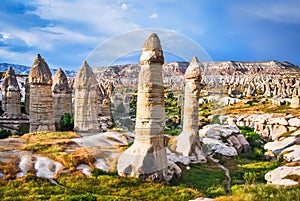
{"points": [[11, 96], [86, 108], [146, 158], [188, 142], [62, 96], [41, 100]]}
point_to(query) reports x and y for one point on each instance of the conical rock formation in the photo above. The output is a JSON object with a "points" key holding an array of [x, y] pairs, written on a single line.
{"points": [[146, 158], [86, 106], [62, 96], [11, 96], [188, 142], [41, 100]]}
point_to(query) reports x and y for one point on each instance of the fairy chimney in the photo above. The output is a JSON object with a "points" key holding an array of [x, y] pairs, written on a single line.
{"points": [[146, 158], [86, 106], [188, 142], [62, 96], [11, 96], [41, 100]]}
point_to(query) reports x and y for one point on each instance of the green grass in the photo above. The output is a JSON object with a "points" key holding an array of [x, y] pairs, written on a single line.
{"points": [[103, 187], [206, 178], [262, 192]]}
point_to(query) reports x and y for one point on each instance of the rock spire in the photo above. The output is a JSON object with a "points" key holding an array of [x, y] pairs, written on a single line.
{"points": [[86, 106], [188, 142], [11, 96], [62, 96], [41, 100], [146, 158]]}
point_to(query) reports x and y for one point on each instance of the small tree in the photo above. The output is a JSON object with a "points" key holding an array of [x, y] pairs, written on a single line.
{"points": [[4, 133], [67, 122]]}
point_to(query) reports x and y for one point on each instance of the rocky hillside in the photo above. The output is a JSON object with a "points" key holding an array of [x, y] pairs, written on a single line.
{"points": [[211, 71], [24, 70]]}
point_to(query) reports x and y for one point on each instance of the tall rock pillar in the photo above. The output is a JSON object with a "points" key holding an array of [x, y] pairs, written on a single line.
{"points": [[62, 96], [146, 158], [86, 106], [41, 100], [188, 142], [11, 96]]}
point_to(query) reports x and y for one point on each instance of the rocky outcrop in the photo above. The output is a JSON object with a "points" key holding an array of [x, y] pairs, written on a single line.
{"points": [[271, 126], [41, 100], [188, 142], [224, 140], [146, 158], [62, 96], [11, 96], [86, 108], [280, 176]]}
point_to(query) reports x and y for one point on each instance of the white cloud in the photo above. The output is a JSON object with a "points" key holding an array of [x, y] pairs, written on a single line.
{"points": [[16, 57], [5, 36], [124, 6], [277, 11], [99, 16], [153, 16]]}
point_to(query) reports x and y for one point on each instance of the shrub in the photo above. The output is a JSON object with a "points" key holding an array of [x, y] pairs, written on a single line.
{"points": [[4, 133], [215, 119], [67, 122], [22, 129]]}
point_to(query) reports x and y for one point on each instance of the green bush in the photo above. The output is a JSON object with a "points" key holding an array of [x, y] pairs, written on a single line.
{"points": [[67, 122], [215, 119], [22, 129], [255, 141], [4, 133]]}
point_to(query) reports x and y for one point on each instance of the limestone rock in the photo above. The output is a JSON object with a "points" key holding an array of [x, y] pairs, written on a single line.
{"points": [[188, 142], [11, 96], [62, 96], [146, 158], [41, 100], [277, 176], [40, 72], [86, 106], [294, 122]]}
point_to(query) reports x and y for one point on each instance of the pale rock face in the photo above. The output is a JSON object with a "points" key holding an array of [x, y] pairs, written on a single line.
{"points": [[11, 96], [62, 96], [41, 100], [86, 106], [188, 142], [294, 122], [46, 167], [277, 176], [146, 158]]}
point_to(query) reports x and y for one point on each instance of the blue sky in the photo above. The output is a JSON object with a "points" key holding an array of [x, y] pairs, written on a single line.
{"points": [[65, 32]]}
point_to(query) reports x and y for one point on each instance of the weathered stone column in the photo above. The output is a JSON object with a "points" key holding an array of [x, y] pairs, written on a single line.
{"points": [[41, 100], [86, 106], [188, 142], [62, 96], [295, 101], [11, 96], [27, 96], [146, 158]]}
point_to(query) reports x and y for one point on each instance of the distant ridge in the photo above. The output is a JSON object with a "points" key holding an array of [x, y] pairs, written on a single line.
{"points": [[24, 70]]}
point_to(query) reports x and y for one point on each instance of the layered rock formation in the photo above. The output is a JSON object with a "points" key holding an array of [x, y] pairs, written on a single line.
{"points": [[62, 96], [86, 108], [188, 142], [11, 96], [146, 158], [41, 100], [27, 96]]}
